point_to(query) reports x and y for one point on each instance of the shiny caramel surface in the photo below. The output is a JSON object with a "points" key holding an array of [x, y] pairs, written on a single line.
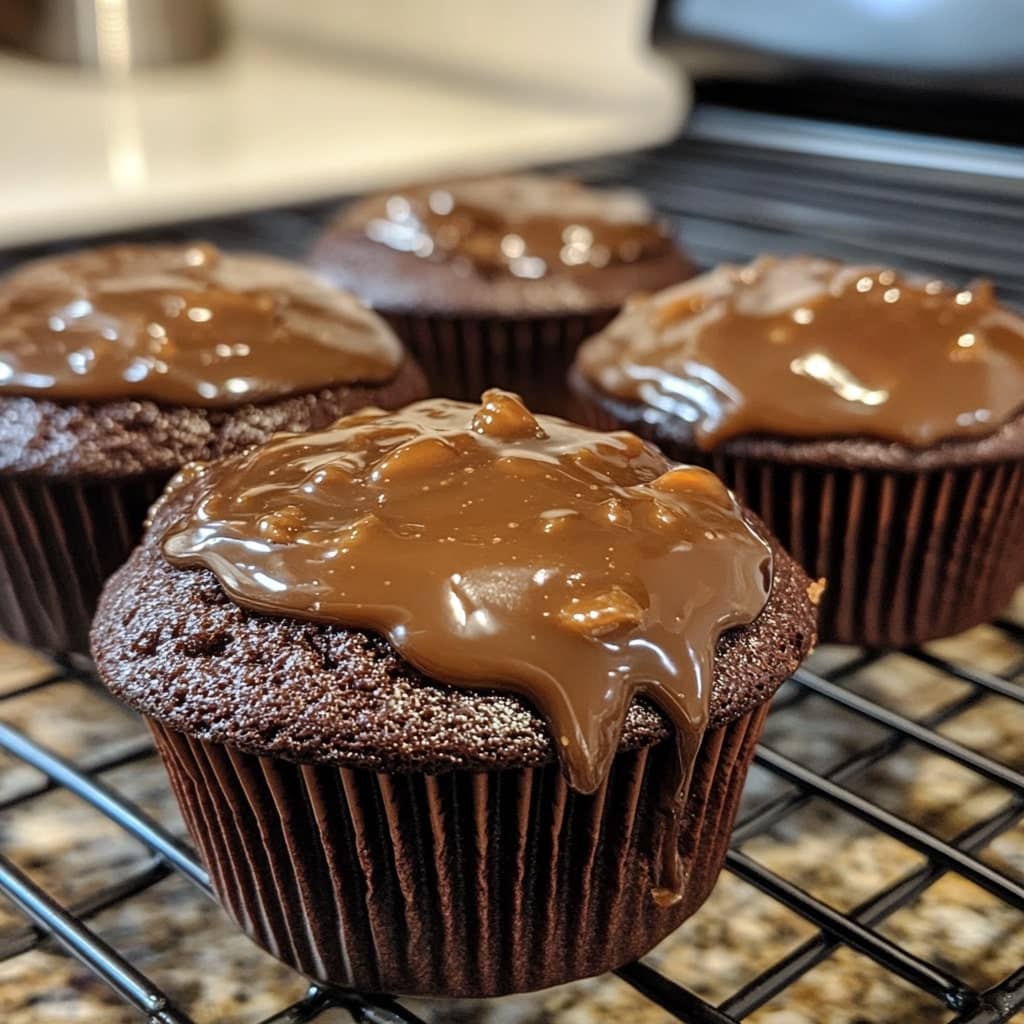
{"points": [[805, 347], [527, 226], [182, 325]]}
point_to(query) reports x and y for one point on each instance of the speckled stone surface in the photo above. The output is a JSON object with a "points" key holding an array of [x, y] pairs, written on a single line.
{"points": [[190, 948]]}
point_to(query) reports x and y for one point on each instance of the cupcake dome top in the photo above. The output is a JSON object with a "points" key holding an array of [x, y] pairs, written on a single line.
{"points": [[515, 245], [810, 348], [183, 325], [173, 645]]}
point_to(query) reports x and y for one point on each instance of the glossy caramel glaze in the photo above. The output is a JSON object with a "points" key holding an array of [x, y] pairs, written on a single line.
{"points": [[813, 349], [495, 550], [528, 226], [182, 325]]}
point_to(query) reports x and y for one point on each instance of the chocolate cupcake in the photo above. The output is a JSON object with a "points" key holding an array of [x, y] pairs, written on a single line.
{"points": [[442, 688], [496, 281], [119, 365], [874, 421]]}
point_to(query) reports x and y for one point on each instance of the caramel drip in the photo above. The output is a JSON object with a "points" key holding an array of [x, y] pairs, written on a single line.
{"points": [[527, 226], [182, 325], [809, 348], [495, 550]]}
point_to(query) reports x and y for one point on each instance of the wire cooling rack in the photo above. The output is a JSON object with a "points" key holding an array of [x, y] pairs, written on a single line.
{"points": [[858, 928], [732, 198]]}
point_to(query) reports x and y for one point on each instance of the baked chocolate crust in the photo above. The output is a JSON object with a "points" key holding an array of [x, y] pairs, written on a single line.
{"points": [[854, 453], [173, 646], [391, 281], [110, 440]]}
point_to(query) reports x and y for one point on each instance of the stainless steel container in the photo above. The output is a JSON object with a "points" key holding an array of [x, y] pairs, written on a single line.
{"points": [[114, 36]]}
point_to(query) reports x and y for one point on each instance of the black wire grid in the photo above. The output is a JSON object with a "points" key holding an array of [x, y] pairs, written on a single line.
{"points": [[734, 197]]}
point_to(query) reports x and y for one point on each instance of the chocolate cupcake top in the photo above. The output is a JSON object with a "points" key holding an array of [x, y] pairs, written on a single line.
{"points": [[182, 325], [519, 243], [492, 547], [497, 551], [134, 359], [809, 348]]}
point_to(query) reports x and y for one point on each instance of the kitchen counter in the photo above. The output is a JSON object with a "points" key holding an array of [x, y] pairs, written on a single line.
{"points": [[188, 946]]}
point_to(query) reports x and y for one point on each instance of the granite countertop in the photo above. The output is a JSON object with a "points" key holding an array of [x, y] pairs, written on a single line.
{"points": [[183, 941]]}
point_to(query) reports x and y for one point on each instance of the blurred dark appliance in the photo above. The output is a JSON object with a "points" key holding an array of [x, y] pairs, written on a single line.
{"points": [[940, 66]]}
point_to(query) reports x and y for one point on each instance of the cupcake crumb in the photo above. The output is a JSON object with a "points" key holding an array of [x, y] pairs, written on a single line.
{"points": [[815, 589]]}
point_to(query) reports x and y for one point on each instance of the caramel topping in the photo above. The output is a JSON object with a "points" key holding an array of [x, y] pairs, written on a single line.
{"points": [[182, 325], [809, 348], [497, 550], [526, 225]]}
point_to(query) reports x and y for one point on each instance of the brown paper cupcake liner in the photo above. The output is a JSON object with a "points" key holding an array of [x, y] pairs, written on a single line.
{"points": [[908, 556], [58, 544], [463, 356], [459, 884]]}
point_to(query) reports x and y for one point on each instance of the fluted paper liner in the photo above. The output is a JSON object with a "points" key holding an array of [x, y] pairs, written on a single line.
{"points": [[457, 884], [463, 356], [908, 556], [59, 541]]}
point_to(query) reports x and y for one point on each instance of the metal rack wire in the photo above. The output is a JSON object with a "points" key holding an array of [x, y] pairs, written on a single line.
{"points": [[731, 198]]}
